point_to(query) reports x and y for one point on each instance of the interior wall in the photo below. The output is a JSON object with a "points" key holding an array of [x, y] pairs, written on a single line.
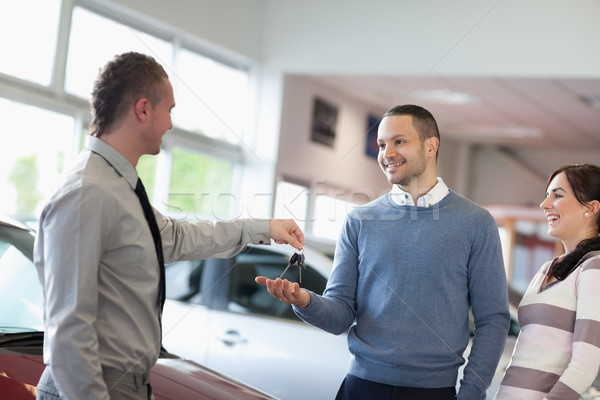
{"points": [[485, 174], [345, 165], [537, 159], [498, 179]]}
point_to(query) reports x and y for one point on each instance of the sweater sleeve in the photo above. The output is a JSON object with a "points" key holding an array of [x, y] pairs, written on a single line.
{"points": [[585, 358], [335, 310], [489, 302]]}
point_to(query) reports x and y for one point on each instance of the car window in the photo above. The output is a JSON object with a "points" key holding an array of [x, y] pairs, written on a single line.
{"points": [[183, 279], [20, 292], [245, 295]]}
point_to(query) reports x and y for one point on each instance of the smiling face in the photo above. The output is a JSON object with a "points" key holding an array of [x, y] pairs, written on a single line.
{"points": [[160, 121], [403, 157], [567, 218]]}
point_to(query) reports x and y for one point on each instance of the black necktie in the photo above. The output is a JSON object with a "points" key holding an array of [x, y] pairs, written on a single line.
{"points": [[149, 214]]}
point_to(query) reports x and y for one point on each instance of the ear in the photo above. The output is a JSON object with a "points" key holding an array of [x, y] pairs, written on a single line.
{"points": [[594, 207], [432, 145], [142, 109]]}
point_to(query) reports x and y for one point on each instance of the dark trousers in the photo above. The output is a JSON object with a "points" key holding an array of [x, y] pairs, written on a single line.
{"points": [[354, 388]]}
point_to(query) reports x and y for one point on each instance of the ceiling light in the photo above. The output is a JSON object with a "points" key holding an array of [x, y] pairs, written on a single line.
{"points": [[442, 96], [504, 131]]}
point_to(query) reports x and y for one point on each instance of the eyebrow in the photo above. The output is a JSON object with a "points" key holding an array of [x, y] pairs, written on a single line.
{"points": [[398, 136], [556, 190]]}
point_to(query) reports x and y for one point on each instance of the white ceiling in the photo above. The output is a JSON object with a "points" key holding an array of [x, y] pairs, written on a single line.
{"points": [[549, 112]]}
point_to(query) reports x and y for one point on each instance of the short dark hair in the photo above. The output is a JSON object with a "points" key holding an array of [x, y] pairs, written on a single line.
{"points": [[120, 83], [423, 120]]}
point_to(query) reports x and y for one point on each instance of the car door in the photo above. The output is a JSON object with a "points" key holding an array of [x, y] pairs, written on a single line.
{"points": [[185, 313], [257, 339]]}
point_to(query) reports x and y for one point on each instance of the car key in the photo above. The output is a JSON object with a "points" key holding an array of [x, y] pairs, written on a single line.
{"points": [[300, 262], [297, 259]]}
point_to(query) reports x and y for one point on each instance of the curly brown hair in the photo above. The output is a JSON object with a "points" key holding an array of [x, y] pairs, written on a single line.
{"points": [[120, 83]]}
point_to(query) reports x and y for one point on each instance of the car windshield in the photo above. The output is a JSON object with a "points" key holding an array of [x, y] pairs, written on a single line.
{"points": [[20, 292]]}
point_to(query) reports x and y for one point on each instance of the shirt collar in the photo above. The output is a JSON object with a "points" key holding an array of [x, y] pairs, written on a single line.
{"points": [[435, 195], [114, 158]]}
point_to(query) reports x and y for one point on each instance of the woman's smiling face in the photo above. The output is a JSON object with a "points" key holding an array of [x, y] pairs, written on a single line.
{"points": [[566, 216]]}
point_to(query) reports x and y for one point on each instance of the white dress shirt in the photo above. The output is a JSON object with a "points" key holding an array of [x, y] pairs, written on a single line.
{"points": [[98, 267], [435, 195]]}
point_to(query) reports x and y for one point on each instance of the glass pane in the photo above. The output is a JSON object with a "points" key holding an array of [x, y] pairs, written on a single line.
{"points": [[29, 30], [183, 279], [212, 98], [20, 291], [107, 38], [246, 296], [330, 216], [146, 168], [200, 185], [291, 201], [40, 143]]}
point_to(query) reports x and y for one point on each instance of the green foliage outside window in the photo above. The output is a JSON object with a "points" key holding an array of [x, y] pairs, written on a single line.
{"points": [[146, 168], [24, 177], [200, 185]]}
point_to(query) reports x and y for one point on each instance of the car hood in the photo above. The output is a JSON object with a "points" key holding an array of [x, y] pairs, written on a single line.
{"points": [[184, 376], [21, 365]]}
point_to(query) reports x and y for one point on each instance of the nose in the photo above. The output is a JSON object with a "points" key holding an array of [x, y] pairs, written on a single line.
{"points": [[544, 204], [388, 151]]}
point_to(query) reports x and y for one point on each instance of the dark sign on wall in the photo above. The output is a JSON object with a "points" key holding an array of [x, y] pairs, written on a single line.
{"points": [[372, 126], [324, 122]]}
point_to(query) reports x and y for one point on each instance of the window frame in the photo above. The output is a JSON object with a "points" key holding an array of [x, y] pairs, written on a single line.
{"points": [[54, 97]]}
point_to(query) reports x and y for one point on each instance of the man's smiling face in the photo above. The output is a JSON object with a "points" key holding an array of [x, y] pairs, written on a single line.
{"points": [[402, 154]]}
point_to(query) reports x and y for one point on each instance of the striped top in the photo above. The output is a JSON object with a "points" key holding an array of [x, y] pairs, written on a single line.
{"points": [[557, 354]]}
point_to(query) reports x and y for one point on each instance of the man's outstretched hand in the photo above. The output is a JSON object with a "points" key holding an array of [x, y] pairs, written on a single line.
{"points": [[286, 291]]}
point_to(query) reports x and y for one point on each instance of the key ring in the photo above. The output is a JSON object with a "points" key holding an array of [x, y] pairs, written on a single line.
{"points": [[296, 259]]}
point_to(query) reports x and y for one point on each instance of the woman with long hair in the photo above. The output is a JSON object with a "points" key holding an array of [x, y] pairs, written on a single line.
{"points": [[557, 354]]}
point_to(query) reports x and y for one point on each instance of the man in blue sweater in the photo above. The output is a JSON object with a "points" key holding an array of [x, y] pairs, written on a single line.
{"points": [[407, 269]]}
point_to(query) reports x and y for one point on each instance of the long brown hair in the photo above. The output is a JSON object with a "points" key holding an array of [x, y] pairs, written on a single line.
{"points": [[584, 180]]}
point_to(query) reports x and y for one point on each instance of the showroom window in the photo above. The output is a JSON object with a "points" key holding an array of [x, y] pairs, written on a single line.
{"points": [[107, 37], [320, 210], [192, 174], [40, 142], [31, 35], [212, 98], [46, 104], [291, 201]]}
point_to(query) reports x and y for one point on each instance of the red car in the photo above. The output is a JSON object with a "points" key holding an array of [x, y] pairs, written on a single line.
{"points": [[22, 337]]}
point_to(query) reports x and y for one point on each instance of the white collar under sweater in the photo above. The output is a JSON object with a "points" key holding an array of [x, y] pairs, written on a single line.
{"points": [[435, 195]]}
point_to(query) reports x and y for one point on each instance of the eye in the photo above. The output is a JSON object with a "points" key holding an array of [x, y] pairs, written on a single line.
{"points": [[400, 141]]}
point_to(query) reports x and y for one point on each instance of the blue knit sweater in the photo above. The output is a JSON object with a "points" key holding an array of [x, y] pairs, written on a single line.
{"points": [[403, 281]]}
